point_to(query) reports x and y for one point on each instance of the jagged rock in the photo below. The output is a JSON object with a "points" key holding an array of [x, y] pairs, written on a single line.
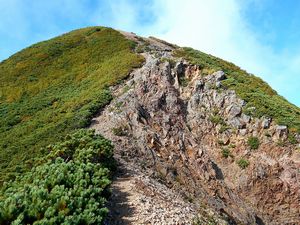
{"points": [[219, 75], [281, 131], [243, 132], [266, 123], [183, 130], [191, 71], [297, 136], [179, 68], [234, 111], [245, 118], [218, 84], [219, 100], [236, 123], [199, 85]]}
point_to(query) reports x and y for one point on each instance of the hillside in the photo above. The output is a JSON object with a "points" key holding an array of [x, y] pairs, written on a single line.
{"points": [[196, 138], [54, 87]]}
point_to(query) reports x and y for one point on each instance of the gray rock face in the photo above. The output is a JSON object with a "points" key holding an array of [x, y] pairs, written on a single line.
{"points": [[199, 85], [236, 123], [266, 123], [245, 118], [281, 131], [243, 132], [179, 68], [234, 111], [219, 75], [192, 137]]}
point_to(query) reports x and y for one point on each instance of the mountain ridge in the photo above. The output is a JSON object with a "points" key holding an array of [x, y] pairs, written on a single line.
{"points": [[180, 117], [189, 133]]}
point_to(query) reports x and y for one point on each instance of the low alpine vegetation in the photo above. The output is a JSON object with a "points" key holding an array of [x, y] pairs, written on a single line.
{"points": [[71, 187], [226, 152], [54, 87], [243, 163], [253, 142], [216, 119]]}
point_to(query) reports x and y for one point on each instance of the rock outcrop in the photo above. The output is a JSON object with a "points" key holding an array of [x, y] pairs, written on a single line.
{"points": [[187, 130]]}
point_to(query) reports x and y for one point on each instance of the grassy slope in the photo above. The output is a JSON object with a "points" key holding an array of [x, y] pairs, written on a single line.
{"points": [[252, 89], [54, 87]]}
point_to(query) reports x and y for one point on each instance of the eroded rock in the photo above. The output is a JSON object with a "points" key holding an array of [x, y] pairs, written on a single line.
{"points": [[281, 131], [194, 135]]}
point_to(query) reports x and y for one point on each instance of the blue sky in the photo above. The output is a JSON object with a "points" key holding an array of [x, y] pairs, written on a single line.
{"points": [[261, 36]]}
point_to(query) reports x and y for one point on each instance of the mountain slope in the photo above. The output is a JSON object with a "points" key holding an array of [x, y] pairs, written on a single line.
{"points": [[219, 138], [182, 125], [54, 87]]}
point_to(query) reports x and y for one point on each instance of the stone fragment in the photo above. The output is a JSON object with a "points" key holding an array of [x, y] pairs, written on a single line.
{"points": [[266, 122], [245, 118], [281, 131], [179, 68], [219, 75], [234, 111], [243, 132], [199, 85], [236, 123]]}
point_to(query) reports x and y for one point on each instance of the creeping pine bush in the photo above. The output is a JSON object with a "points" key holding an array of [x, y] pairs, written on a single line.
{"points": [[71, 187]]}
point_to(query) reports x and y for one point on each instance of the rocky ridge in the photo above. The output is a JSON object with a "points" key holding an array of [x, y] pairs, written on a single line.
{"points": [[191, 134]]}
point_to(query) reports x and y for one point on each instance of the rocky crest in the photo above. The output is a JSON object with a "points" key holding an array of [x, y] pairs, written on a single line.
{"points": [[191, 134]]}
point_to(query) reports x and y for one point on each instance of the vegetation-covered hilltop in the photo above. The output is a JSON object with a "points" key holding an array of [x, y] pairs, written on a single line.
{"points": [[54, 87]]}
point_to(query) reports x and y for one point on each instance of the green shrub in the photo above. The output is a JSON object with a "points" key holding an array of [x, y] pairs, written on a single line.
{"points": [[71, 187], [292, 139], [216, 119], [140, 49], [253, 142], [281, 143], [226, 152], [221, 142], [243, 163], [232, 146], [224, 128]]}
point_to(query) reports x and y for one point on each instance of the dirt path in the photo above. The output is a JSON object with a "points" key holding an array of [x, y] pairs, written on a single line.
{"points": [[139, 199]]}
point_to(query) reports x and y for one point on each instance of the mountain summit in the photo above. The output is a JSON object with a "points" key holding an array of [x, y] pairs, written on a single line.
{"points": [[197, 139]]}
